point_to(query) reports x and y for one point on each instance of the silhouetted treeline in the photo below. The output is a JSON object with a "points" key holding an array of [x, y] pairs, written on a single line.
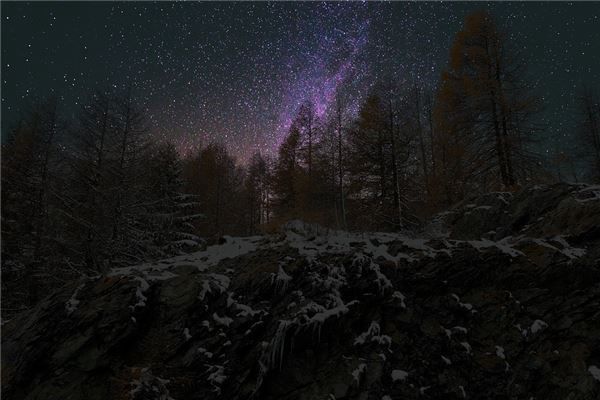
{"points": [[81, 196]]}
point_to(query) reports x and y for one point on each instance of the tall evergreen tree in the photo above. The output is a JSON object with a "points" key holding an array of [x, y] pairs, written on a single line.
{"points": [[589, 131], [484, 111]]}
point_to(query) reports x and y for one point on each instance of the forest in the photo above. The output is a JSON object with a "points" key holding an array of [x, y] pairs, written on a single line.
{"points": [[83, 195]]}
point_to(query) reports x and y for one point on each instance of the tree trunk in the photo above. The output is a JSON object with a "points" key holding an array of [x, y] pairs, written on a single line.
{"points": [[340, 165], [421, 140], [397, 205]]}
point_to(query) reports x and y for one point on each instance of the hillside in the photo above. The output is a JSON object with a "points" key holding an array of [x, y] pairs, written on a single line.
{"points": [[498, 299]]}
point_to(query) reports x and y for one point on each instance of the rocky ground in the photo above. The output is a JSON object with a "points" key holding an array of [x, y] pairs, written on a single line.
{"points": [[500, 299]]}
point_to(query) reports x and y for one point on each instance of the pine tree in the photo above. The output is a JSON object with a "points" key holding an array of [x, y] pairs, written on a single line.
{"points": [[484, 110], [212, 175], [30, 168], [287, 176], [257, 192], [170, 213], [104, 207], [589, 131]]}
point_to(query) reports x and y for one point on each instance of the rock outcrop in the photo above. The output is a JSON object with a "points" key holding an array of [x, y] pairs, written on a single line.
{"points": [[503, 302]]}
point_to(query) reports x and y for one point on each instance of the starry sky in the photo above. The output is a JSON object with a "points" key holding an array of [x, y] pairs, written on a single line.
{"points": [[236, 72]]}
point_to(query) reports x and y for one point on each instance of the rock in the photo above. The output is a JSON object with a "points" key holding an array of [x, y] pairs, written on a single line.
{"points": [[507, 305]]}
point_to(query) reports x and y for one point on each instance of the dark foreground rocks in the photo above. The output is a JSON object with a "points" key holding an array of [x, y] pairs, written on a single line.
{"points": [[502, 303]]}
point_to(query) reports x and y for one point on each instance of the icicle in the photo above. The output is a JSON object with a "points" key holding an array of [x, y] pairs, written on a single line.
{"points": [[278, 342], [281, 280]]}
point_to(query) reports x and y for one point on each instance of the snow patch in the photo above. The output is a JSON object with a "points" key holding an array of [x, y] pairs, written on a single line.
{"points": [[373, 334], [467, 347], [502, 245], [217, 377], [401, 297], [225, 321], [466, 306], [500, 352], [72, 304], [537, 326], [399, 375], [204, 352], [139, 292], [358, 372], [595, 371], [281, 280]]}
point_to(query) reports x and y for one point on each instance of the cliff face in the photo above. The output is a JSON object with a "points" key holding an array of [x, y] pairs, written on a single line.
{"points": [[501, 302]]}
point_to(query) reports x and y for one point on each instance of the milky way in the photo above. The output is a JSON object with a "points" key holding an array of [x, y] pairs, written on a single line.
{"points": [[237, 73]]}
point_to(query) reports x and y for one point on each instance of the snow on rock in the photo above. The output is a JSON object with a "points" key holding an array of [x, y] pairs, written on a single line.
{"points": [[358, 372], [382, 281], [399, 296], [281, 280], [338, 311], [500, 352], [311, 241], [139, 292], [217, 377], [202, 260], [317, 320], [373, 334], [595, 371], [233, 247], [460, 329], [467, 347], [588, 194], [218, 282], [466, 306], [502, 245], [399, 375], [204, 352], [524, 332], [149, 386], [246, 311], [567, 249], [204, 290], [72, 304], [455, 329], [563, 246], [225, 321], [537, 326]]}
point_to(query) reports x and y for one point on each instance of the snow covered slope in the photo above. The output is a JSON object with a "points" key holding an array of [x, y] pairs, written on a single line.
{"points": [[512, 312]]}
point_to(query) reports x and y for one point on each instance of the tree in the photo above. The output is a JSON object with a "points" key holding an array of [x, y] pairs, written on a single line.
{"points": [[379, 154], [87, 206], [340, 160], [129, 143], [104, 205], [212, 175], [287, 175], [484, 110], [257, 192], [304, 123], [30, 168], [170, 213], [589, 131], [421, 137]]}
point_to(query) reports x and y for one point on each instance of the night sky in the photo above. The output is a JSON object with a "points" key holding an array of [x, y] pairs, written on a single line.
{"points": [[237, 72]]}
